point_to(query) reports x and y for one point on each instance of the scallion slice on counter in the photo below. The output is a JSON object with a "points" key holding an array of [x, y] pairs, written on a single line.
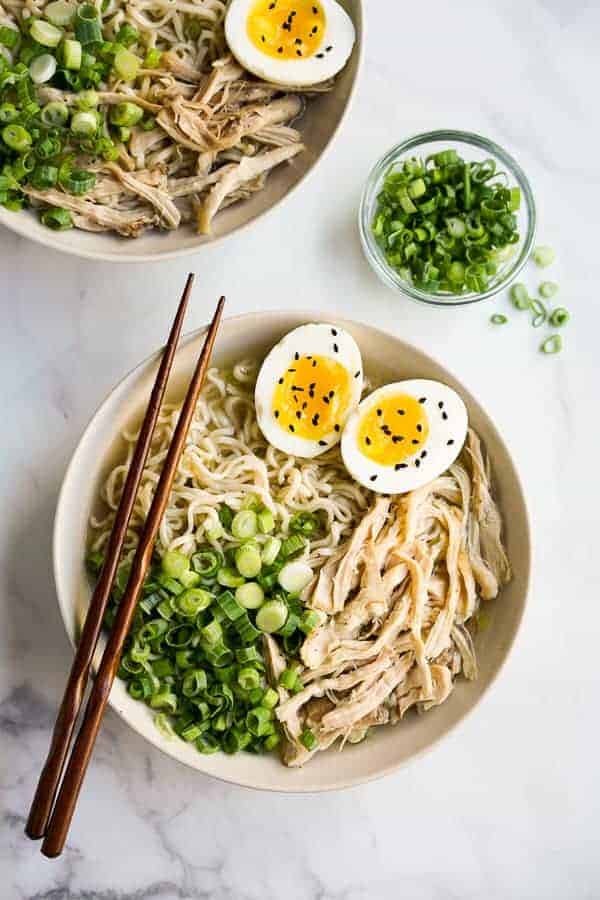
{"points": [[548, 289], [543, 256], [552, 344], [498, 319], [520, 296], [559, 317]]}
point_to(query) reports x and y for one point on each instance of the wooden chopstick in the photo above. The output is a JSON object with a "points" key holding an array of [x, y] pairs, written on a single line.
{"points": [[78, 676], [62, 814]]}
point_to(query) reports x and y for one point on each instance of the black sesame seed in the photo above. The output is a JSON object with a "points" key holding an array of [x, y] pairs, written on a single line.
{"points": [[423, 454], [419, 428], [298, 414], [326, 400], [417, 463], [280, 49], [320, 55], [309, 357], [314, 29], [291, 427], [397, 438], [449, 443], [276, 413], [400, 412], [357, 374], [441, 404], [298, 41], [399, 466], [336, 427], [331, 393], [280, 381], [334, 332], [298, 52], [327, 49], [379, 412], [422, 399], [295, 400], [296, 387], [444, 416], [322, 443], [311, 394], [291, 370], [414, 441], [315, 10], [368, 441], [336, 349], [373, 478], [296, 356], [314, 363], [262, 37], [304, 405], [272, 6]]}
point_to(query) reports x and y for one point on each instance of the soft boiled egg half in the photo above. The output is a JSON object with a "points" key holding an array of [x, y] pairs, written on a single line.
{"points": [[307, 387], [404, 435], [290, 42]]}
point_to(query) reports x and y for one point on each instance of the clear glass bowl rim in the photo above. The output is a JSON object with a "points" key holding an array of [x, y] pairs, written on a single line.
{"points": [[373, 252]]}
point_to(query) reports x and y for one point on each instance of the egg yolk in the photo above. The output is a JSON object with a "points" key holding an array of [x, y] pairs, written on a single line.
{"points": [[393, 429], [312, 397], [286, 29]]}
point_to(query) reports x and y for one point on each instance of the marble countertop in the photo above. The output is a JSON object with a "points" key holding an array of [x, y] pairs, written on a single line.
{"points": [[509, 804]]}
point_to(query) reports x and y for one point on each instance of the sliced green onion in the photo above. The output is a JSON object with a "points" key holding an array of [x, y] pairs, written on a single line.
{"points": [[244, 524], [207, 562], [84, 124], [42, 68], [207, 743], [289, 679], [559, 317], [552, 344], [215, 531], [229, 606], [153, 58], [309, 621], [270, 550], [55, 114], [9, 37], [270, 699], [77, 181], [60, 13], [258, 721], [126, 64], [543, 256], [248, 678], [16, 137], [250, 595], [295, 576], [127, 35], [193, 601], [519, 296], [212, 633], [174, 564], [308, 739], [548, 289], [265, 521], [498, 319], [71, 54], [87, 25], [126, 114], [194, 683], [271, 741], [45, 34], [44, 177], [228, 577], [8, 113], [164, 699], [304, 523], [271, 616], [291, 546], [163, 725], [57, 218], [540, 312], [248, 560]]}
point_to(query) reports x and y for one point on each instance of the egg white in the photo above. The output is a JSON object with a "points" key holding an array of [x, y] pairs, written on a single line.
{"points": [[339, 35], [440, 453], [319, 339]]}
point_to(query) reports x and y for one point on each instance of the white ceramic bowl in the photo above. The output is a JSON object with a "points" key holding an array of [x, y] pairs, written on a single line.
{"points": [[384, 356], [319, 125]]}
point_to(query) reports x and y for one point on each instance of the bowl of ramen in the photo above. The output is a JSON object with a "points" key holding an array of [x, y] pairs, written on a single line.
{"points": [[342, 568], [141, 130]]}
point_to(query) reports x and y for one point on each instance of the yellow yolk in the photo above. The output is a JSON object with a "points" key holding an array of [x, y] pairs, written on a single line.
{"points": [[312, 397], [393, 430], [286, 29]]}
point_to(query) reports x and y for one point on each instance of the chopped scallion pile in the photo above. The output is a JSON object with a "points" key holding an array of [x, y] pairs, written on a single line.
{"points": [[445, 224]]}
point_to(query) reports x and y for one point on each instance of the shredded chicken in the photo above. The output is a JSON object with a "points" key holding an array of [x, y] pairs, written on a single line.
{"points": [[397, 597]]}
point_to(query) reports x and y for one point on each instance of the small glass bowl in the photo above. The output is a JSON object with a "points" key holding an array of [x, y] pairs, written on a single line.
{"points": [[472, 148]]}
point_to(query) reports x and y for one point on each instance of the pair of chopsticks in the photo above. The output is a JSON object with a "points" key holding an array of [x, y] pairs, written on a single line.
{"points": [[53, 805]]}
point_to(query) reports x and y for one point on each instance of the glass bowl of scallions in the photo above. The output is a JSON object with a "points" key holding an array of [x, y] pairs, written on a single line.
{"points": [[447, 218]]}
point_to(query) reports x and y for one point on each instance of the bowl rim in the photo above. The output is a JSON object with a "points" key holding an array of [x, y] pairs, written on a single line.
{"points": [[372, 250], [67, 608], [50, 241]]}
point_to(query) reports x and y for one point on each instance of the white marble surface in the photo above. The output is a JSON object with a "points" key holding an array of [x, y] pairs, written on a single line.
{"points": [[509, 806]]}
